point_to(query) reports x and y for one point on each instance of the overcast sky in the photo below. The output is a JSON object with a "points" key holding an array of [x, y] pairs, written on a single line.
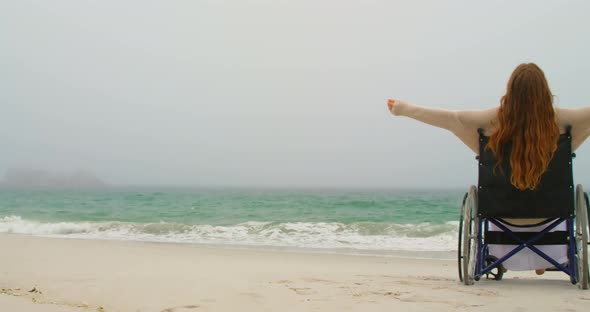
{"points": [[273, 92]]}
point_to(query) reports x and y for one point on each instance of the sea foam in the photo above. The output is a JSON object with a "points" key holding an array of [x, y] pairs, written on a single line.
{"points": [[362, 236]]}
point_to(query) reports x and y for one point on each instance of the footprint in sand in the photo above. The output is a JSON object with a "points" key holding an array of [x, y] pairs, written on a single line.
{"points": [[251, 295], [283, 282], [318, 280], [181, 308], [302, 290]]}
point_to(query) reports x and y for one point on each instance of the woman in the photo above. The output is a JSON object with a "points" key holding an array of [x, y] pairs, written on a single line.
{"points": [[526, 117]]}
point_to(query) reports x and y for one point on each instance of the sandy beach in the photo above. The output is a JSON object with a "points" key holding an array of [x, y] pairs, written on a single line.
{"points": [[53, 274]]}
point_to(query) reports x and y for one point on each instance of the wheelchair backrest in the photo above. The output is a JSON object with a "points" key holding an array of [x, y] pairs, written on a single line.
{"points": [[553, 198]]}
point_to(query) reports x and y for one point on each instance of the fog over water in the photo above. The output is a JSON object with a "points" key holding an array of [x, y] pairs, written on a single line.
{"points": [[269, 93]]}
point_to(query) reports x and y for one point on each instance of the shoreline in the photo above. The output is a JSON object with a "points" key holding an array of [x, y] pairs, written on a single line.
{"points": [[73, 275], [428, 240], [408, 254]]}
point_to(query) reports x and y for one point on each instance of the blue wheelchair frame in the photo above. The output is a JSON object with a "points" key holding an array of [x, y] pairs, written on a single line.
{"points": [[482, 269]]}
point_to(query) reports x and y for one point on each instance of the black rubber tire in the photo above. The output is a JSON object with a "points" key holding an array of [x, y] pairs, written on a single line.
{"points": [[497, 276], [460, 240], [470, 228], [582, 237]]}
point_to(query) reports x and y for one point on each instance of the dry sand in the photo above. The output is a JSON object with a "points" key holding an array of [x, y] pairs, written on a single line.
{"points": [[91, 275]]}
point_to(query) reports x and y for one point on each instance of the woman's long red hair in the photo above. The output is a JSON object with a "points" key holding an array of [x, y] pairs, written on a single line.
{"points": [[526, 119]]}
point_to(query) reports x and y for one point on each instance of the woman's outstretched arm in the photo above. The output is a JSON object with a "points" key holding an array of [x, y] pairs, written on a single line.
{"points": [[442, 118], [463, 123]]}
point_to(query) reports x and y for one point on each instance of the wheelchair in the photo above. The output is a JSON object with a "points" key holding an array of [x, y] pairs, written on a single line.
{"points": [[483, 228]]}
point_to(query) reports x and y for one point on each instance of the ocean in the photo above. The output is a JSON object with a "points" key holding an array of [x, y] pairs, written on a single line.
{"points": [[379, 222]]}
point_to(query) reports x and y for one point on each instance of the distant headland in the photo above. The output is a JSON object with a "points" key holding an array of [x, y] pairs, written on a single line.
{"points": [[36, 178]]}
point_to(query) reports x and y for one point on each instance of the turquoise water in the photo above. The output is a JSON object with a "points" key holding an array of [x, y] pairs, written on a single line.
{"points": [[363, 220]]}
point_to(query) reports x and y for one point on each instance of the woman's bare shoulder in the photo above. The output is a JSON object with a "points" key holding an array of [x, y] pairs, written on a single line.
{"points": [[576, 117], [479, 118]]}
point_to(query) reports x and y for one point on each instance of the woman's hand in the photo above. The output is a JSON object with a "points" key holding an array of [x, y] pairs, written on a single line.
{"points": [[390, 103]]}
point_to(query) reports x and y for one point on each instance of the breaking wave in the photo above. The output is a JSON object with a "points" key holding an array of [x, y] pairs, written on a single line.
{"points": [[370, 236]]}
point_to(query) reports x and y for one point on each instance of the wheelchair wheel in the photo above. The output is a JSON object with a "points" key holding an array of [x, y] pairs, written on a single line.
{"points": [[582, 237], [498, 272], [460, 240], [469, 237]]}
